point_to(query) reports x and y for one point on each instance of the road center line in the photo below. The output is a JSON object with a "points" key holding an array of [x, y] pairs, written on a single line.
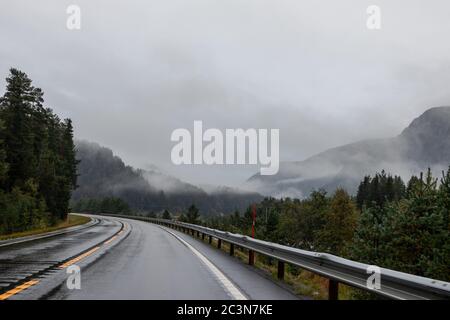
{"points": [[80, 257], [18, 289], [231, 289]]}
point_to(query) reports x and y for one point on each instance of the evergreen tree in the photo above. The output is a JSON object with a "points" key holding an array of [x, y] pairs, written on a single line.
{"points": [[379, 190], [236, 220], [19, 104], [166, 215], [192, 215], [410, 235], [362, 195], [271, 225], [340, 224], [151, 214], [3, 164], [37, 157], [369, 245]]}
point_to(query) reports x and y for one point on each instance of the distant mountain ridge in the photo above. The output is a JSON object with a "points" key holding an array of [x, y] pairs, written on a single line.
{"points": [[424, 143], [102, 174]]}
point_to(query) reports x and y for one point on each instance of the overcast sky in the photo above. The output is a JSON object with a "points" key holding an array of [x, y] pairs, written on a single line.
{"points": [[137, 70]]}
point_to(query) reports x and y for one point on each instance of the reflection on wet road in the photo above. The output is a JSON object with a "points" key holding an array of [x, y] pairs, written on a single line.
{"points": [[24, 260]]}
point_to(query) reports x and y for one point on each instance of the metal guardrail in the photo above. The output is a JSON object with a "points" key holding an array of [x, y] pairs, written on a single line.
{"points": [[394, 284]]}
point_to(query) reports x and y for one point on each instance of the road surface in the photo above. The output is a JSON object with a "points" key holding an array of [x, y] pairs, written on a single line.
{"points": [[128, 259]]}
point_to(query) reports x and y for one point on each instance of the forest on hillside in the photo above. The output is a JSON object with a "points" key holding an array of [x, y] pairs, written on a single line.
{"points": [[37, 159], [102, 175], [405, 227]]}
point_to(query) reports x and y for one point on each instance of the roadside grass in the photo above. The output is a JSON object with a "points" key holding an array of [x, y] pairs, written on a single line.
{"points": [[71, 221], [302, 282]]}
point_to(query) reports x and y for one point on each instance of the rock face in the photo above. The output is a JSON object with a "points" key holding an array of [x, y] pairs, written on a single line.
{"points": [[427, 138], [424, 143], [102, 174]]}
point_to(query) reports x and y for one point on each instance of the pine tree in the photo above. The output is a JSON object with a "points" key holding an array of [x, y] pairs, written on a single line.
{"points": [[166, 215], [236, 221], [69, 153], [3, 164], [341, 220], [192, 215], [363, 192], [371, 233], [379, 190], [18, 105], [37, 157]]}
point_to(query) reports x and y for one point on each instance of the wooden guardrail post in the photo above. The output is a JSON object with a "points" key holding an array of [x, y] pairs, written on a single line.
{"points": [[280, 270], [333, 289], [231, 249], [210, 240], [219, 243], [251, 257]]}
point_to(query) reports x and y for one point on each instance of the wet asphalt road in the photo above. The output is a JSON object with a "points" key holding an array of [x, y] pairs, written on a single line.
{"points": [[148, 263], [23, 260]]}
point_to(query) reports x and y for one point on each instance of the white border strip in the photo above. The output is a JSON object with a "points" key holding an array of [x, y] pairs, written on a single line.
{"points": [[231, 289]]}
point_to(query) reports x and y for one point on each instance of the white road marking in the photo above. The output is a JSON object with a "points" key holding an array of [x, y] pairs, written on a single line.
{"points": [[232, 290]]}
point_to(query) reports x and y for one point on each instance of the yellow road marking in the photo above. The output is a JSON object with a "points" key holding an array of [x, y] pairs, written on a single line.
{"points": [[88, 253], [110, 240], [17, 289], [30, 283], [74, 260]]}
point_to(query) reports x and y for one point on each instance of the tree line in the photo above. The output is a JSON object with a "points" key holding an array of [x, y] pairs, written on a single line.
{"points": [[388, 223], [37, 158], [104, 205]]}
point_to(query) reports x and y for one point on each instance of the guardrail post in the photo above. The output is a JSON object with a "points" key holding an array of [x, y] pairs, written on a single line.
{"points": [[251, 257], [198, 234], [203, 236], [193, 232], [219, 243], [231, 249], [280, 270], [333, 289], [210, 240]]}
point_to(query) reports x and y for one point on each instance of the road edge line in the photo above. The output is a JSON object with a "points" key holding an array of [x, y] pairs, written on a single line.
{"points": [[226, 283]]}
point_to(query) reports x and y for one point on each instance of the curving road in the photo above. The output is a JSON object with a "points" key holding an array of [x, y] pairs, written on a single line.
{"points": [[131, 260]]}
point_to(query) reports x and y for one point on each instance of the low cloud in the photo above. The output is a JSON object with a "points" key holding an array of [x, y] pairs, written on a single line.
{"points": [[137, 70]]}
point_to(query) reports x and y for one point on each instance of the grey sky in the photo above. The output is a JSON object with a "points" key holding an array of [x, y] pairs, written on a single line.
{"points": [[139, 69]]}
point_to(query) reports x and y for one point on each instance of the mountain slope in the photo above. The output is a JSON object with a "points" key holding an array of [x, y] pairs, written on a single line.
{"points": [[102, 174], [424, 143]]}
